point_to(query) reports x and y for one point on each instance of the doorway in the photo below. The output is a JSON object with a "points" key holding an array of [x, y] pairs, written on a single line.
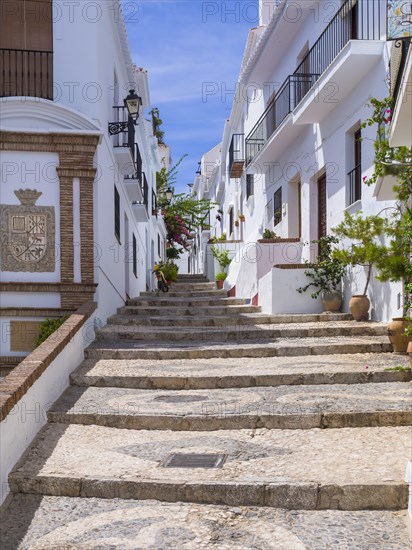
{"points": [[295, 209], [126, 257], [322, 207]]}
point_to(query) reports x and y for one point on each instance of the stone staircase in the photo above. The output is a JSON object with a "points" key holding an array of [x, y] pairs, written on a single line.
{"points": [[196, 421]]}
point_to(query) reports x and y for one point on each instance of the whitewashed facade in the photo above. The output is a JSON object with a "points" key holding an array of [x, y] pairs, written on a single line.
{"points": [[107, 231], [289, 161]]}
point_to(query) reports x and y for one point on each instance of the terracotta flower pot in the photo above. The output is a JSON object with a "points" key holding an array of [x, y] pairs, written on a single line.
{"points": [[219, 284], [410, 353], [169, 283], [331, 300], [359, 307], [397, 336]]}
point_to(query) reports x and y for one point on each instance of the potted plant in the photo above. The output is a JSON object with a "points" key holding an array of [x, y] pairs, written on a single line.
{"points": [[393, 169], [222, 257], [170, 272], [220, 279], [365, 250], [237, 223], [242, 217], [325, 275], [396, 266]]}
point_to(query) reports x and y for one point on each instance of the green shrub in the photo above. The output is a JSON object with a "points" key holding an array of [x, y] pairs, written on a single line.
{"points": [[173, 253], [221, 276], [268, 234], [47, 327], [222, 257], [170, 271]]}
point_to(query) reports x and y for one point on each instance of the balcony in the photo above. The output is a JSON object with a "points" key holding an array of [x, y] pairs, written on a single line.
{"points": [[122, 130], [26, 73], [133, 187], [237, 155], [291, 92], [318, 84], [141, 208]]}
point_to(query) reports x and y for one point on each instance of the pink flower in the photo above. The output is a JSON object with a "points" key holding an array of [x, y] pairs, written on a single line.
{"points": [[366, 367], [364, 178]]}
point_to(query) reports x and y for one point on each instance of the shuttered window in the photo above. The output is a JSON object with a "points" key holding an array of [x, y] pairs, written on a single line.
{"points": [[26, 48], [116, 214], [134, 255], [277, 207], [250, 185]]}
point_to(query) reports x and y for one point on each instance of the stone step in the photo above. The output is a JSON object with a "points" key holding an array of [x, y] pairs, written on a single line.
{"points": [[233, 333], [281, 407], [199, 374], [32, 521], [222, 320], [191, 275], [290, 469], [188, 311], [198, 350], [163, 301], [185, 294]]}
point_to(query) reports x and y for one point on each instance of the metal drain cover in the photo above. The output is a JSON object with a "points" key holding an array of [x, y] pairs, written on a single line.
{"points": [[180, 398], [192, 460]]}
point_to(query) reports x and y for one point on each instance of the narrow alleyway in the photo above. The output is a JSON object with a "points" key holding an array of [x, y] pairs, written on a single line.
{"points": [[198, 422]]}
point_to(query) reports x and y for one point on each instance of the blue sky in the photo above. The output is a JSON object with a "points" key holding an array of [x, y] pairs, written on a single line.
{"points": [[184, 45]]}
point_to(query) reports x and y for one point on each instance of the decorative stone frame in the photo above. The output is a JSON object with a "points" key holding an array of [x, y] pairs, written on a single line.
{"points": [[76, 160]]}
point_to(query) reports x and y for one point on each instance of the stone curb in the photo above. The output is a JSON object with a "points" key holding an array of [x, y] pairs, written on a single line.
{"points": [[239, 421], [345, 347], [290, 496], [173, 382], [24, 375]]}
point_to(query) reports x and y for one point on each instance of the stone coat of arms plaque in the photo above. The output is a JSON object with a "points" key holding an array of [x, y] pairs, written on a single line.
{"points": [[28, 234]]}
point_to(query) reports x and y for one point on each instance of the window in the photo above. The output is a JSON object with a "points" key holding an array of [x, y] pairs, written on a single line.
{"points": [[355, 175], [116, 214], [139, 163], [26, 48], [159, 250], [231, 220], [250, 185], [134, 255], [277, 207]]}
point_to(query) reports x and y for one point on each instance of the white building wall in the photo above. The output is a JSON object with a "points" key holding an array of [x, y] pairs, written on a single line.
{"points": [[310, 150]]}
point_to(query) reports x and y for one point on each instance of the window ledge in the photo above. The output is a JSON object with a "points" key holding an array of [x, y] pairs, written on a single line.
{"points": [[354, 207]]}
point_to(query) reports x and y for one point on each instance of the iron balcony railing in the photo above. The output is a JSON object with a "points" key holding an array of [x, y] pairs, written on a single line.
{"points": [[145, 191], [124, 138], [154, 204], [355, 185], [355, 20], [236, 154], [288, 96], [26, 73]]}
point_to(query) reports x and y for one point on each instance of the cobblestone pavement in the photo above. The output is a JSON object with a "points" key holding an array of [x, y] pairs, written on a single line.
{"points": [[56, 523], [301, 406], [97, 475], [242, 372], [378, 455]]}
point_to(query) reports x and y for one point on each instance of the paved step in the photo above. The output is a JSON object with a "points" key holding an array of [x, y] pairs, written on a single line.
{"points": [[292, 469], [163, 301], [281, 407], [188, 311], [268, 332], [32, 521], [184, 293], [221, 320], [199, 350], [200, 374]]}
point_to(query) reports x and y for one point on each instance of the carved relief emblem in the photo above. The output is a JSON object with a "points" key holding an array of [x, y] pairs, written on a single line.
{"points": [[28, 234]]}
